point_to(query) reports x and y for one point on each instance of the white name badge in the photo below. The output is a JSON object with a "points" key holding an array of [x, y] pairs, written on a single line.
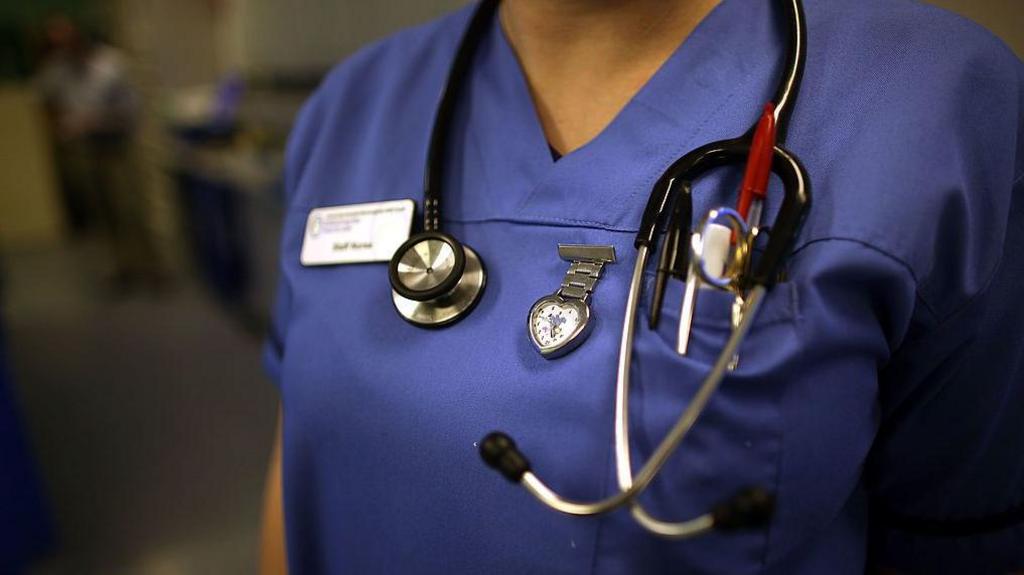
{"points": [[356, 234]]}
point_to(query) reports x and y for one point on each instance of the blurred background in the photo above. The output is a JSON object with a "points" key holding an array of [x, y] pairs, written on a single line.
{"points": [[141, 147]]}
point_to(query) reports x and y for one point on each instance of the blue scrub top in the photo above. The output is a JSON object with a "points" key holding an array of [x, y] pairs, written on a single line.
{"points": [[879, 394], [26, 527]]}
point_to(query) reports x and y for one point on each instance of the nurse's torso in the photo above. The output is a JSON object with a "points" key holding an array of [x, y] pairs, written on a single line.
{"points": [[382, 419]]}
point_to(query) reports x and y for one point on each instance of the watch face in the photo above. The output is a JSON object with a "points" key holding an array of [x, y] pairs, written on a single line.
{"points": [[556, 324]]}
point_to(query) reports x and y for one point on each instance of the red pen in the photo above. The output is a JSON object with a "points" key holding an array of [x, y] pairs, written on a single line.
{"points": [[755, 178]]}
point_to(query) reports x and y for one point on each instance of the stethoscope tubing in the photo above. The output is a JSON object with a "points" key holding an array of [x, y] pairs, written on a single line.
{"points": [[682, 427]]}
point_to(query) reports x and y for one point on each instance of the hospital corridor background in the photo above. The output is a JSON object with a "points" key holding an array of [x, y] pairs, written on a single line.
{"points": [[138, 246]]}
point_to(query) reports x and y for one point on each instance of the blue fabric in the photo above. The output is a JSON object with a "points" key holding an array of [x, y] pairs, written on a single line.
{"points": [[26, 528], [883, 378]]}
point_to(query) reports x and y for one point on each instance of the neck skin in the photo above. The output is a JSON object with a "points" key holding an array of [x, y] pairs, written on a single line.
{"points": [[585, 59]]}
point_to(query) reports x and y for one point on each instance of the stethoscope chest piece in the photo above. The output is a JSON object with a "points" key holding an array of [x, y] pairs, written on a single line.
{"points": [[435, 280]]}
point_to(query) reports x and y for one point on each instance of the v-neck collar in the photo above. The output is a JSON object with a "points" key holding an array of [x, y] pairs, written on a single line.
{"points": [[711, 87]]}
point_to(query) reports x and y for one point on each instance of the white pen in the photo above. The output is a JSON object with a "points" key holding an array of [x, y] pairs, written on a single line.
{"points": [[711, 252]]}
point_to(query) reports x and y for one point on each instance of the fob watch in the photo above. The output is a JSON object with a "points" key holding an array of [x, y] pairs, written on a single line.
{"points": [[558, 323]]}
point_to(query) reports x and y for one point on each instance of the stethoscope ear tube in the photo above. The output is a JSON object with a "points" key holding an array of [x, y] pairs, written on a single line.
{"points": [[795, 205], [433, 174]]}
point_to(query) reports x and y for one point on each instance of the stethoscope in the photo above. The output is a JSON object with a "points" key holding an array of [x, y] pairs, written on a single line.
{"points": [[436, 281]]}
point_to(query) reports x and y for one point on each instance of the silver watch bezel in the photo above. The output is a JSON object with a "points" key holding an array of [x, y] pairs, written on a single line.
{"points": [[575, 338]]}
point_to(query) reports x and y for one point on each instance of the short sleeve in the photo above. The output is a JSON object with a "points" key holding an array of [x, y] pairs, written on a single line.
{"points": [[297, 153], [946, 473], [273, 345]]}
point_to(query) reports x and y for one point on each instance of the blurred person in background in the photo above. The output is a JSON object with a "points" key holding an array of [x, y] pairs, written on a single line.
{"points": [[93, 112]]}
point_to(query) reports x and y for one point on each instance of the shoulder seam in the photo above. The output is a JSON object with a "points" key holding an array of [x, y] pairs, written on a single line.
{"points": [[913, 276], [937, 317]]}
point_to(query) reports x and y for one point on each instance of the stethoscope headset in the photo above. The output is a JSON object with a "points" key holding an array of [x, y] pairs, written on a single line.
{"points": [[436, 280]]}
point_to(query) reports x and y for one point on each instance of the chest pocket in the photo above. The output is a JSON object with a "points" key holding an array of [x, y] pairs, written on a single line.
{"points": [[712, 322], [736, 441]]}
